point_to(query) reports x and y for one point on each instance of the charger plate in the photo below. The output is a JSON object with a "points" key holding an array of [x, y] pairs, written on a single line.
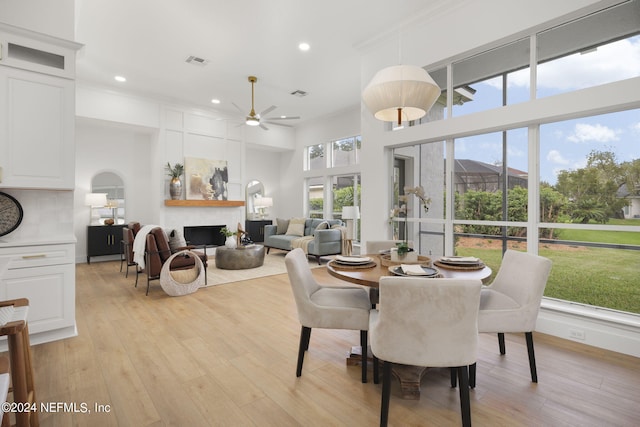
{"points": [[346, 267], [472, 267]]}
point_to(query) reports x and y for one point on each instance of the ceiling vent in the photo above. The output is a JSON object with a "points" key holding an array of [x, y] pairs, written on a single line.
{"points": [[196, 60], [299, 93]]}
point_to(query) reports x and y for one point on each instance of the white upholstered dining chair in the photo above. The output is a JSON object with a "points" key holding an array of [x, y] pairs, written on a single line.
{"points": [[425, 322], [326, 307], [512, 301]]}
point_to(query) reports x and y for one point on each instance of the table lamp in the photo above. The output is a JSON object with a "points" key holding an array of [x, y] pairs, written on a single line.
{"points": [[262, 203], [95, 200], [349, 215]]}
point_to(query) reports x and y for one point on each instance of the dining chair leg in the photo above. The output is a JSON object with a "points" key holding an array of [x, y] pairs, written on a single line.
{"points": [[454, 377], [386, 394], [532, 356], [305, 335], [472, 375], [501, 343], [376, 370], [365, 354], [465, 404]]}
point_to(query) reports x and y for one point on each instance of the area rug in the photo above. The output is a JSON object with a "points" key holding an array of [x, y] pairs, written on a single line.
{"points": [[273, 264]]}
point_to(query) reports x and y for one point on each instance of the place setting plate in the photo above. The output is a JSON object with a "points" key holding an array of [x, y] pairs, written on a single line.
{"points": [[416, 271], [459, 263], [342, 262], [352, 260]]}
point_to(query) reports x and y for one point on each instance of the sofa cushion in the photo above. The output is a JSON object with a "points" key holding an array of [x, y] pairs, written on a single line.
{"points": [[296, 227], [282, 225], [176, 240], [322, 226]]}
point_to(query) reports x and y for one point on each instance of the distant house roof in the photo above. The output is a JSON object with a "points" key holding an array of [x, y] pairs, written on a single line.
{"points": [[484, 176]]}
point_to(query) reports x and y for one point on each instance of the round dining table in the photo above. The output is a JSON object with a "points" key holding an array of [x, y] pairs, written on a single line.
{"points": [[369, 275]]}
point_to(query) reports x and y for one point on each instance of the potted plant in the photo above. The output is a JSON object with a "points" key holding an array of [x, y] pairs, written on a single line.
{"points": [[403, 252], [175, 185], [230, 242]]}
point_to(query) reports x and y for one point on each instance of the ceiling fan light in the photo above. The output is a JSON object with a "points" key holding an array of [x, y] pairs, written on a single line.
{"points": [[401, 92], [252, 121]]}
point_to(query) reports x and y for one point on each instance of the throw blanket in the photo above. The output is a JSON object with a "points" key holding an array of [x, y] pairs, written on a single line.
{"points": [[302, 243], [346, 242], [140, 243]]}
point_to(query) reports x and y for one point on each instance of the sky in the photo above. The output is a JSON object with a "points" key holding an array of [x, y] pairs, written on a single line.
{"points": [[563, 145]]}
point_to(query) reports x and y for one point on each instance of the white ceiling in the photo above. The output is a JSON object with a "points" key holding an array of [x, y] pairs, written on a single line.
{"points": [[148, 41]]}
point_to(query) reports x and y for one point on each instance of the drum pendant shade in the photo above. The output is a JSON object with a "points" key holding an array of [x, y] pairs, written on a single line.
{"points": [[400, 92]]}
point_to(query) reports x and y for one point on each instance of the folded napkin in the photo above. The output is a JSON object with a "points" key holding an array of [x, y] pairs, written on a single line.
{"points": [[413, 270], [460, 259]]}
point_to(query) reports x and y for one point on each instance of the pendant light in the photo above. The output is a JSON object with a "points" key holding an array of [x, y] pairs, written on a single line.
{"points": [[400, 92]]}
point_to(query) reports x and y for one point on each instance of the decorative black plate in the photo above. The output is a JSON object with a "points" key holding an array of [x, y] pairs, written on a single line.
{"points": [[10, 214]]}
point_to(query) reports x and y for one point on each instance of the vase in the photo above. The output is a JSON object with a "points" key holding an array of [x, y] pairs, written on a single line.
{"points": [[231, 242], [175, 188]]}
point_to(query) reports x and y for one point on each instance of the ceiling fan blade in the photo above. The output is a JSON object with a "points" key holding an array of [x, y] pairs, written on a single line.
{"points": [[284, 118], [276, 124], [239, 109], [263, 127], [268, 110]]}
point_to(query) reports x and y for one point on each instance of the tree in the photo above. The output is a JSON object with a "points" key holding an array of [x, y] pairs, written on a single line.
{"points": [[593, 190], [552, 205]]}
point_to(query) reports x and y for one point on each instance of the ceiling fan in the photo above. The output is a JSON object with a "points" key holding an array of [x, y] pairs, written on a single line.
{"points": [[254, 119]]}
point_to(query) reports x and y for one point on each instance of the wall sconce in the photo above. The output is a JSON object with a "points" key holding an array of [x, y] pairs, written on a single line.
{"points": [[95, 200]]}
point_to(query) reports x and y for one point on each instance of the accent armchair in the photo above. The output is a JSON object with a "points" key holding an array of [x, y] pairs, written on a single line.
{"points": [[157, 252]]}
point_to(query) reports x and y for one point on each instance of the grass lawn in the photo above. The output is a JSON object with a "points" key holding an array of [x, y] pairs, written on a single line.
{"points": [[596, 276]]}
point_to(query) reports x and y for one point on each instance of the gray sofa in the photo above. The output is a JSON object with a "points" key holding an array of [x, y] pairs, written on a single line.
{"points": [[325, 242]]}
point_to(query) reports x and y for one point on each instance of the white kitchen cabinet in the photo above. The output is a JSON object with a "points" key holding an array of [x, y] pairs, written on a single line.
{"points": [[45, 275], [37, 110]]}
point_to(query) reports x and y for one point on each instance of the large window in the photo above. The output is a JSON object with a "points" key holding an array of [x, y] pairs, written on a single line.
{"points": [[600, 48], [335, 183], [567, 189]]}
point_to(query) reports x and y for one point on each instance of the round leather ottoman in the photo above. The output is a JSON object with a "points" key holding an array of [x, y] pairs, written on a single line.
{"points": [[240, 258]]}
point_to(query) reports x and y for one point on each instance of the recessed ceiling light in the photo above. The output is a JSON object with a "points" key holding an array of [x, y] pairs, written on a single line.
{"points": [[304, 47], [215, 101], [120, 79]]}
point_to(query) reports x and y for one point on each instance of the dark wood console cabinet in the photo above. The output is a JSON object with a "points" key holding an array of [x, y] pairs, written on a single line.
{"points": [[255, 228], [103, 240]]}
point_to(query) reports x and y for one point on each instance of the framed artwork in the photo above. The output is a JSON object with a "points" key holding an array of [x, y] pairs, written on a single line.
{"points": [[206, 179]]}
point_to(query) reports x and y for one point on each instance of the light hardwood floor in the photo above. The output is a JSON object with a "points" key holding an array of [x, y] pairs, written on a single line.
{"points": [[226, 355]]}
